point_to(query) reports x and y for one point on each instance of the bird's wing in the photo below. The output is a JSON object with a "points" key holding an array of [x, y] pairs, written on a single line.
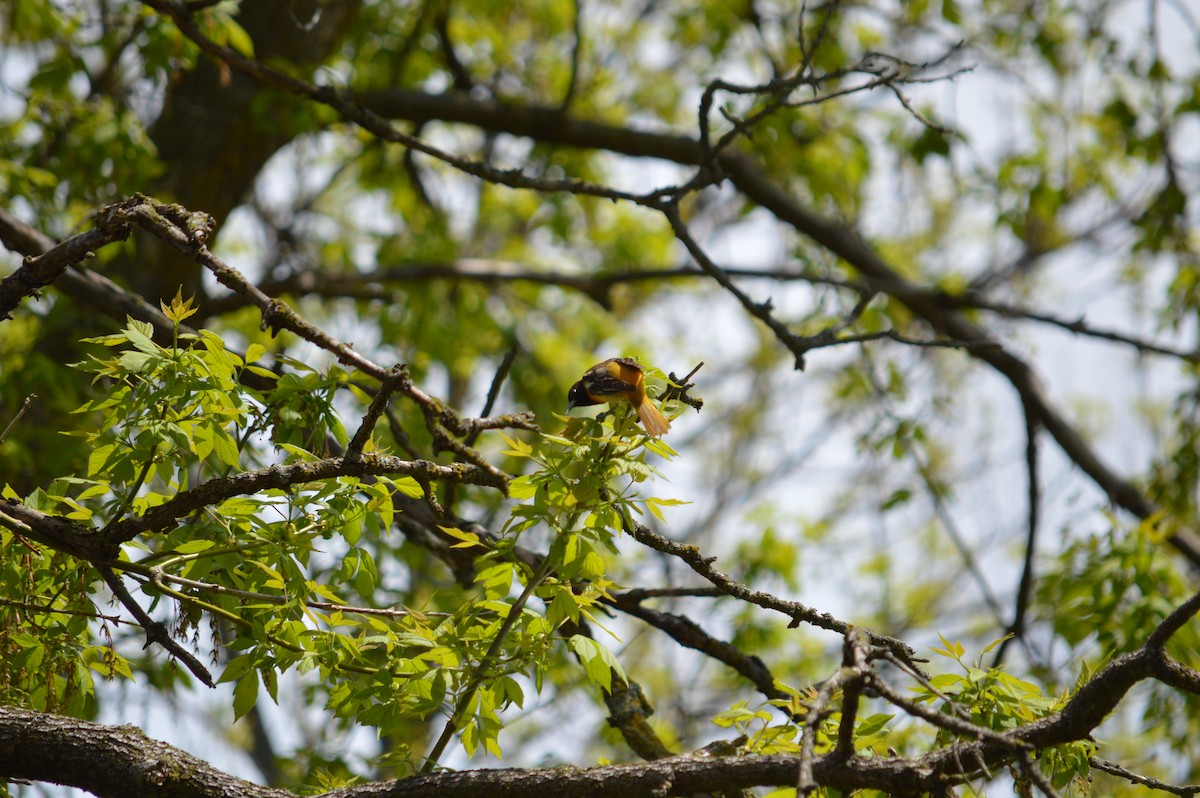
{"points": [[603, 384]]}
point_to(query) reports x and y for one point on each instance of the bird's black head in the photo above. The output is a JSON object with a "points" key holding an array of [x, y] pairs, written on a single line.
{"points": [[578, 397]]}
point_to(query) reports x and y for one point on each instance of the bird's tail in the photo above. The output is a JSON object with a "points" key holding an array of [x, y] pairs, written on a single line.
{"points": [[653, 420]]}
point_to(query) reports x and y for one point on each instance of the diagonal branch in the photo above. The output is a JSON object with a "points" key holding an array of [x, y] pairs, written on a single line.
{"points": [[845, 243], [156, 632], [188, 232], [798, 612], [39, 271], [686, 632]]}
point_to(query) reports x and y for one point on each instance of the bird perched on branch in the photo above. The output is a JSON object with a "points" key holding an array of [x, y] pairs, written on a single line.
{"points": [[618, 379]]}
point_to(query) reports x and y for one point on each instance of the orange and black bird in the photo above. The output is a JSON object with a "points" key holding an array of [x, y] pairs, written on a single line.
{"points": [[614, 380]]}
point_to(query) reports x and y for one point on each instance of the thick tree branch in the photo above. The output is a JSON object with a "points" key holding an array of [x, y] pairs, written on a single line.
{"points": [[121, 761], [109, 761], [60, 534], [282, 476], [39, 271], [82, 541], [352, 111]]}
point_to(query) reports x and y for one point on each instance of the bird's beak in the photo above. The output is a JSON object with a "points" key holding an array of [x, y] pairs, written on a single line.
{"points": [[570, 405]]}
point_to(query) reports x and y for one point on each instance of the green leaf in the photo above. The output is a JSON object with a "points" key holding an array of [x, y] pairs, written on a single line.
{"points": [[521, 488], [597, 661], [516, 448], [194, 546], [466, 539], [237, 38], [872, 725], [140, 334], [947, 681], [408, 487], [224, 445], [138, 362], [245, 694], [236, 669]]}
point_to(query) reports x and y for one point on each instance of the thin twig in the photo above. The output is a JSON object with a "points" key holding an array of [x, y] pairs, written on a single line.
{"points": [[157, 574], [639, 594], [805, 783], [49, 609], [576, 58], [1113, 769], [950, 723], [1016, 629], [481, 668], [797, 612], [493, 394], [20, 412], [387, 387]]}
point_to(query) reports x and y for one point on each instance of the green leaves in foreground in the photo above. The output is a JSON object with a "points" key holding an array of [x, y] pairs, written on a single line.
{"points": [[302, 580]]}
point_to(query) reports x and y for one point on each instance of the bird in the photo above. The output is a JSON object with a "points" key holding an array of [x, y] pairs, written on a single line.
{"points": [[614, 380]]}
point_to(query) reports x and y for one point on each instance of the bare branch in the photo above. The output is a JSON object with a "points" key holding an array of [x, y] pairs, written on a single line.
{"points": [[342, 102], [688, 633], [747, 176], [156, 632], [378, 404], [39, 271], [793, 609], [22, 410], [1187, 791], [1016, 629]]}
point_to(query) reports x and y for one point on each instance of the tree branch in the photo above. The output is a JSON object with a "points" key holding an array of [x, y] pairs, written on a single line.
{"points": [[1187, 791], [120, 761], [156, 632], [39, 271], [283, 476], [798, 612]]}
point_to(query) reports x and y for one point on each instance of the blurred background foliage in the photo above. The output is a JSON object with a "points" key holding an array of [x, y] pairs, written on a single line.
{"points": [[1045, 176]]}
